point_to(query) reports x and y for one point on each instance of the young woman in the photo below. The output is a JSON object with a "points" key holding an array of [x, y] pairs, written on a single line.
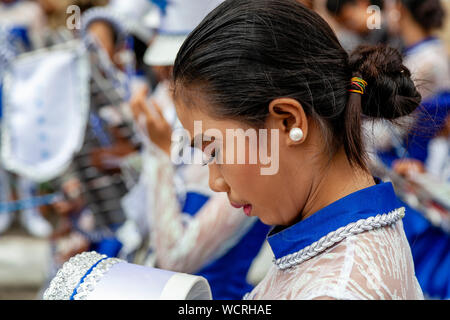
{"points": [[276, 65]]}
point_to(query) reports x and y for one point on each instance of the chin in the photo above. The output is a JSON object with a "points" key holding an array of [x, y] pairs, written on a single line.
{"points": [[267, 219], [273, 218]]}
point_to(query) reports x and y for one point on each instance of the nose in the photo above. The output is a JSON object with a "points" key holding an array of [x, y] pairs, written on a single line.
{"points": [[216, 181]]}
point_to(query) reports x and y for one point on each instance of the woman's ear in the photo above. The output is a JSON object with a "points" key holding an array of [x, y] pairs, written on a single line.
{"points": [[286, 114]]}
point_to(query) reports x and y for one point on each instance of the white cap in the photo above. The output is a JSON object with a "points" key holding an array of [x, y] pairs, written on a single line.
{"points": [[92, 276], [141, 17], [179, 18]]}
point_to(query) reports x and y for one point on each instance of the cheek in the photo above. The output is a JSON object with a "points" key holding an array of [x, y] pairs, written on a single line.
{"points": [[248, 185], [240, 177]]}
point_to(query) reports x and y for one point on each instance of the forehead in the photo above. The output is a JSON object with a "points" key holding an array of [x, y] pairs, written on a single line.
{"points": [[195, 108], [186, 113]]}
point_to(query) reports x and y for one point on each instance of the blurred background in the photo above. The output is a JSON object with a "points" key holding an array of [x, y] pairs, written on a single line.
{"points": [[70, 149]]}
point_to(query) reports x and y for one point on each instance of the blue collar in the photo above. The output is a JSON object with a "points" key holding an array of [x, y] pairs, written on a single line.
{"points": [[365, 203], [414, 47]]}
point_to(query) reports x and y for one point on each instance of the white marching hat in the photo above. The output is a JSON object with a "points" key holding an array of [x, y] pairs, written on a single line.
{"points": [[178, 19], [141, 17], [92, 276], [137, 17]]}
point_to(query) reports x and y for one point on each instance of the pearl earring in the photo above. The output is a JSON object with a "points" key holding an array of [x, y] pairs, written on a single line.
{"points": [[296, 134]]}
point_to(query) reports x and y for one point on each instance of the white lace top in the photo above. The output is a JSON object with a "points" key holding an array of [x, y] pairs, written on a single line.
{"points": [[372, 264]]}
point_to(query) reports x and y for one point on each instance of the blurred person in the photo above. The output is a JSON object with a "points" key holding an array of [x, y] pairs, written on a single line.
{"points": [[109, 138], [420, 146], [424, 143], [191, 230], [141, 19], [55, 12], [437, 162], [107, 29], [22, 12], [427, 58], [27, 17], [123, 31], [425, 54], [80, 214], [425, 226], [353, 18]]}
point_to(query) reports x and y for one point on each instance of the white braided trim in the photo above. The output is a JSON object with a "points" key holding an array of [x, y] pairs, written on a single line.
{"points": [[68, 277], [362, 225], [94, 277]]}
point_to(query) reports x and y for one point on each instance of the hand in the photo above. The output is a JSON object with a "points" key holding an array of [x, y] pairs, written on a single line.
{"points": [[155, 125], [63, 208], [408, 167], [70, 245], [73, 198], [108, 159]]}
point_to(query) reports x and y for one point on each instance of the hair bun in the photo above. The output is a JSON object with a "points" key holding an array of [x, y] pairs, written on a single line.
{"points": [[390, 92]]}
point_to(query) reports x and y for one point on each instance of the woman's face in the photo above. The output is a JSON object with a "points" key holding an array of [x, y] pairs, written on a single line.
{"points": [[262, 187]]}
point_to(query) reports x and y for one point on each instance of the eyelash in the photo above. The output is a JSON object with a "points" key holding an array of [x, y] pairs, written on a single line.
{"points": [[211, 158]]}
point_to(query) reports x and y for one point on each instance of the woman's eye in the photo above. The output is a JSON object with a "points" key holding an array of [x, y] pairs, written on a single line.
{"points": [[209, 158]]}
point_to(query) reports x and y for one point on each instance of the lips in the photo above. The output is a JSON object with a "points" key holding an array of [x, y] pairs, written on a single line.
{"points": [[246, 207], [237, 206]]}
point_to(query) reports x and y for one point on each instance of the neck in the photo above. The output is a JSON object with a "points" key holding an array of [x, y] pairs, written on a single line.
{"points": [[338, 180]]}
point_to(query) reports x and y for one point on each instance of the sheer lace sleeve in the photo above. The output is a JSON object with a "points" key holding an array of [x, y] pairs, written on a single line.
{"points": [[372, 265], [184, 243]]}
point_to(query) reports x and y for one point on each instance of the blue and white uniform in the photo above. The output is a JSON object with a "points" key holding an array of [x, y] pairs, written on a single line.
{"points": [[354, 248]]}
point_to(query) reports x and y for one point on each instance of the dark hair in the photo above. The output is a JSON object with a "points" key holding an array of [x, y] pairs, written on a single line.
{"points": [[429, 14], [246, 53]]}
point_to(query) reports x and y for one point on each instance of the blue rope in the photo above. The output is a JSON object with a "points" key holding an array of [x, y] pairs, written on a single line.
{"points": [[29, 203]]}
